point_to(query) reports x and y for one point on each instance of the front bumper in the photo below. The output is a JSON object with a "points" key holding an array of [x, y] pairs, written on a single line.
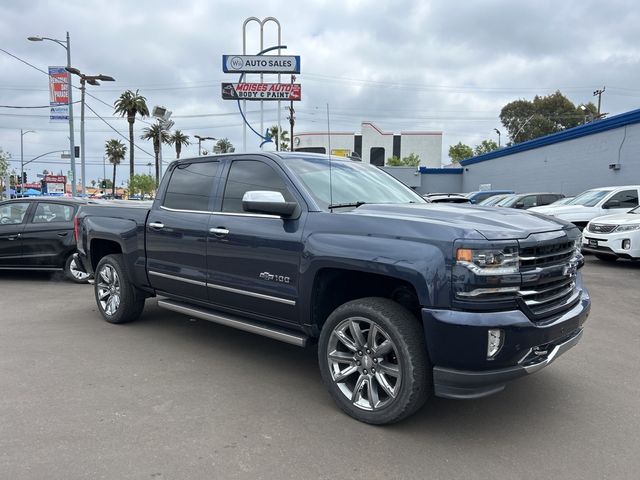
{"points": [[457, 343], [611, 243]]}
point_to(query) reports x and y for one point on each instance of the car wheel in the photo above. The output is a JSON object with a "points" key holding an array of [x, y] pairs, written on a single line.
{"points": [[373, 360], [118, 300], [606, 258], [73, 273]]}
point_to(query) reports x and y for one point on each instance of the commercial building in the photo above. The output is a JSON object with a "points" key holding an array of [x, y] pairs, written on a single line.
{"points": [[601, 153], [373, 145]]}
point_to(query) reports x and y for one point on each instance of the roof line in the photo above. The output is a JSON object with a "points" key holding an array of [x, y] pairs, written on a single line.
{"points": [[597, 126]]}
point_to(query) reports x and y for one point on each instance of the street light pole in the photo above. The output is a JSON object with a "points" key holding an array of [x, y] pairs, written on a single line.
{"points": [[72, 149], [91, 80], [498, 132]]}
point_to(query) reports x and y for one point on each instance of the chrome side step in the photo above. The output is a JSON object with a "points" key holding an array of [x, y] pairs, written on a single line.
{"points": [[236, 322]]}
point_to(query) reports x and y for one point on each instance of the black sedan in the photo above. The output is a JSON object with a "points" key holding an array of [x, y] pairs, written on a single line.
{"points": [[38, 234]]}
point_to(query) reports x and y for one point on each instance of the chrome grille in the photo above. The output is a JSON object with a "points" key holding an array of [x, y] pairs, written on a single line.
{"points": [[601, 228], [545, 255], [547, 298]]}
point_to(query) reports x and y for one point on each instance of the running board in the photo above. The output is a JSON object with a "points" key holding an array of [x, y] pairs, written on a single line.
{"points": [[235, 322]]}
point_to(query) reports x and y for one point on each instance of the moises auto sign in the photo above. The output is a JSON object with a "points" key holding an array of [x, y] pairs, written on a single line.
{"points": [[261, 64], [262, 91]]}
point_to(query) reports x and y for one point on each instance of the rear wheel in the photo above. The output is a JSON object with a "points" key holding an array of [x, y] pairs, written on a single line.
{"points": [[73, 272], [118, 300], [373, 360]]}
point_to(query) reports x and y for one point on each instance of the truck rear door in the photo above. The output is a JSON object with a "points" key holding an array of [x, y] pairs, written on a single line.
{"points": [[177, 230]]}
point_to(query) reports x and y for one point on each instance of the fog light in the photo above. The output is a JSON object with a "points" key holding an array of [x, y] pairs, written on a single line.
{"points": [[626, 244], [494, 342]]}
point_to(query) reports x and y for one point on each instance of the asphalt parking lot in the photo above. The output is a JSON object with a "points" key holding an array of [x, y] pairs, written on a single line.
{"points": [[172, 398]]}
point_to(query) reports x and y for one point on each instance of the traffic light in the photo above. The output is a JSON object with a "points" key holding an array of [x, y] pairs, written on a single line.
{"points": [[24, 177], [103, 184], [76, 151]]}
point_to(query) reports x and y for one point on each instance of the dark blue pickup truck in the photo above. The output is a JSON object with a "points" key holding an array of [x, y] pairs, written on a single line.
{"points": [[405, 299]]}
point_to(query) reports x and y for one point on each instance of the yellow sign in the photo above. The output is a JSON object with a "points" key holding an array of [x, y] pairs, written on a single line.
{"points": [[341, 152]]}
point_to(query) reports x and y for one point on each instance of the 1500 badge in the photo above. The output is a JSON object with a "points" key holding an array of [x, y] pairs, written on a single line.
{"points": [[270, 277]]}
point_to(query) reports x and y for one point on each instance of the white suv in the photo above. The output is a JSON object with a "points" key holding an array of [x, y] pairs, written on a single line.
{"points": [[614, 236], [594, 203]]}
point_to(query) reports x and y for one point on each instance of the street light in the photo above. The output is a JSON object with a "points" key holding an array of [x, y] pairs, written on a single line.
{"points": [[22, 134], [66, 44], [163, 115], [498, 132], [91, 80], [200, 140]]}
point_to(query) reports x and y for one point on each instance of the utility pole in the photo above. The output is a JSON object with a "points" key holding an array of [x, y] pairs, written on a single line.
{"points": [[22, 134], [598, 93], [292, 118]]}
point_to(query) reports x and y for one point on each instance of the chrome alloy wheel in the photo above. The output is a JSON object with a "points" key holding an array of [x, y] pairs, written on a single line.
{"points": [[108, 289], [76, 272], [363, 361]]}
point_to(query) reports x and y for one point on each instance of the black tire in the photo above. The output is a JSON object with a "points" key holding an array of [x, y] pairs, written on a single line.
{"points": [[606, 258], [69, 272], [130, 301], [410, 355]]}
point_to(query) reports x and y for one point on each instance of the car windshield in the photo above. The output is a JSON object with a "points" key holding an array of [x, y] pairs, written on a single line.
{"points": [[491, 200], [590, 197], [506, 201], [351, 183]]}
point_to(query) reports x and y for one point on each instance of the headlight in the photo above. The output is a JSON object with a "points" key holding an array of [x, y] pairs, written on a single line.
{"points": [[627, 228], [502, 261]]}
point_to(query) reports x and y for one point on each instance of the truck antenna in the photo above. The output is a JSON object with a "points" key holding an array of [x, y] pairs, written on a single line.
{"points": [[329, 153]]}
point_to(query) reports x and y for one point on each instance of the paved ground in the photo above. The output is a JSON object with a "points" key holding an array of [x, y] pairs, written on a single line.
{"points": [[171, 398]]}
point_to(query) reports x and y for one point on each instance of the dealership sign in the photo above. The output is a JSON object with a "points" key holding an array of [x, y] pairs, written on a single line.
{"points": [[59, 80], [55, 179], [261, 64], [289, 92]]}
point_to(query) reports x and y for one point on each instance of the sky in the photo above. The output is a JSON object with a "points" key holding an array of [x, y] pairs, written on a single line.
{"points": [[405, 65]]}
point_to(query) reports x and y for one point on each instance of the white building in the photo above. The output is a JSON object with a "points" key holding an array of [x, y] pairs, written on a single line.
{"points": [[373, 145]]}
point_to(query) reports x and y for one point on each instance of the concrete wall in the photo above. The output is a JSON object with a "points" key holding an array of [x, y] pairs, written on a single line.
{"points": [[568, 167], [426, 144], [440, 183], [339, 140], [372, 137]]}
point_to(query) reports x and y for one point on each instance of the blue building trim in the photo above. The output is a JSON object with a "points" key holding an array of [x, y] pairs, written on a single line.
{"points": [[598, 126], [441, 171]]}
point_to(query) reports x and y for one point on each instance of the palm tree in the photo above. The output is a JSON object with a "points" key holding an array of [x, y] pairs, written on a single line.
{"points": [[178, 140], [156, 133], [115, 151], [131, 104], [223, 146], [284, 137]]}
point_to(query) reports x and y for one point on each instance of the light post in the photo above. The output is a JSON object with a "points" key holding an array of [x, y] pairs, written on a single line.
{"points": [[498, 132], [200, 140], [72, 150], [163, 115], [22, 134], [91, 80], [149, 165]]}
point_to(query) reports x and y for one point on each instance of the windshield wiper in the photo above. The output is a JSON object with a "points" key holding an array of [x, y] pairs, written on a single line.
{"points": [[345, 205]]}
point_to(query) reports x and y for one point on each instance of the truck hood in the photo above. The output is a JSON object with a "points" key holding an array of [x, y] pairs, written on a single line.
{"points": [[561, 209], [492, 223]]}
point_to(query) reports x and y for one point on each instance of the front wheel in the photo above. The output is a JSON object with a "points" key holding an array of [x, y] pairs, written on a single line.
{"points": [[373, 360], [118, 300]]}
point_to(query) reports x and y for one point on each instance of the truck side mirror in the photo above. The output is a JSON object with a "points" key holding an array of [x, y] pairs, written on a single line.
{"points": [[268, 202], [612, 204], [519, 205]]}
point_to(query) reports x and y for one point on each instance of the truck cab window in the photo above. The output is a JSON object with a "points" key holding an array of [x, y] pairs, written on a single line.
{"points": [[190, 186], [247, 175]]}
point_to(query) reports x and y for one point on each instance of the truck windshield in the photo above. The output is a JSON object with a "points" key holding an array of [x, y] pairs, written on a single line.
{"points": [[351, 183], [590, 198]]}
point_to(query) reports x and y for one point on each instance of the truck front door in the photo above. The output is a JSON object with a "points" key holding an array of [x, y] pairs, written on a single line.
{"points": [[177, 231], [253, 259]]}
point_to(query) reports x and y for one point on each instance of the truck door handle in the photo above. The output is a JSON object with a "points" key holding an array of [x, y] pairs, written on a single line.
{"points": [[156, 225], [63, 234], [14, 237], [219, 231]]}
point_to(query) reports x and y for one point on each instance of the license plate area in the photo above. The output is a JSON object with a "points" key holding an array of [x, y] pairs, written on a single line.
{"points": [[593, 243]]}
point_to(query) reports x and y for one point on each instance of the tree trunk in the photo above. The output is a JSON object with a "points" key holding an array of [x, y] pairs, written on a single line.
{"points": [[131, 164], [157, 168], [113, 185]]}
